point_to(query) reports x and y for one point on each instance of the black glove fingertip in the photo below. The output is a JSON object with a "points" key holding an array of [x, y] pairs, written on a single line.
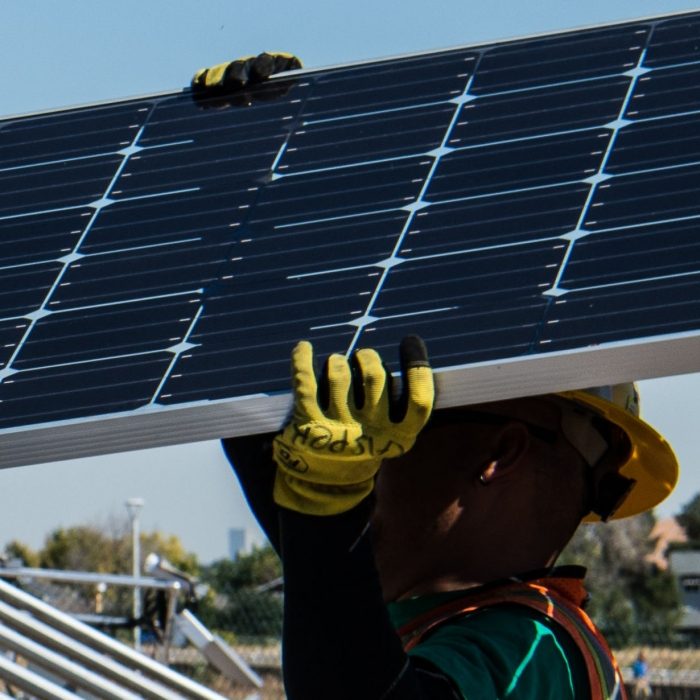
{"points": [[413, 353], [358, 387]]}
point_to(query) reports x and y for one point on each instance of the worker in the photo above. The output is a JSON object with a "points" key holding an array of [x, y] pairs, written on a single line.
{"points": [[419, 546], [640, 675], [418, 550]]}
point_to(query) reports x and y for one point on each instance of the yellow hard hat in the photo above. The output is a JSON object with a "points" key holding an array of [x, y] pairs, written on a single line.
{"points": [[651, 463]]}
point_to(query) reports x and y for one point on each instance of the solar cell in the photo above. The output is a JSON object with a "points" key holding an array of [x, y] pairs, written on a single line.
{"points": [[530, 207]]}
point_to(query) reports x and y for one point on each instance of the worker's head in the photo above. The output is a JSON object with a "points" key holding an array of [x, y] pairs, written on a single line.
{"points": [[497, 489]]}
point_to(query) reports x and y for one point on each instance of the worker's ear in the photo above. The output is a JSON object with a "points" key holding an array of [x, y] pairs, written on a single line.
{"points": [[511, 443]]}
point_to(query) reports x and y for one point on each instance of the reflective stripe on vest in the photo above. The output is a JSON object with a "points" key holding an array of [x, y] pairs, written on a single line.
{"points": [[557, 598]]}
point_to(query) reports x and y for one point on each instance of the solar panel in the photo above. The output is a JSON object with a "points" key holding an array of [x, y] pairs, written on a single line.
{"points": [[531, 208]]}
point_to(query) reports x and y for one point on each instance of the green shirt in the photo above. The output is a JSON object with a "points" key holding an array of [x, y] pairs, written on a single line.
{"points": [[503, 652]]}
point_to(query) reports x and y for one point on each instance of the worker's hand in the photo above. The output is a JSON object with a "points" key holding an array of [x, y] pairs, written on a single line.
{"points": [[329, 452], [237, 74]]}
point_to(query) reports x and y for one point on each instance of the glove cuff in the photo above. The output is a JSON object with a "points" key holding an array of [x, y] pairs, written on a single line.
{"points": [[318, 499]]}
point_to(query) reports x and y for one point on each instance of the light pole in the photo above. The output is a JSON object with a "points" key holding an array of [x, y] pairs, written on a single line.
{"points": [[134, 506]]}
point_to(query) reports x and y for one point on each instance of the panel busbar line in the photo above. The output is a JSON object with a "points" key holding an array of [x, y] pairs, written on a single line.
{"points": [[531, 208]]}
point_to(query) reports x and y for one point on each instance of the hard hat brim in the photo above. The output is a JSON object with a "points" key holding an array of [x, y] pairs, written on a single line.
{"points": [[651, 463]]}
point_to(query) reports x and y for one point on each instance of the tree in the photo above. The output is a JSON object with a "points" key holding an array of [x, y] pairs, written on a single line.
{"points": [[239, 606], [16, 550], [107, 549], [85, 548], [630, 598], [689, 518]]}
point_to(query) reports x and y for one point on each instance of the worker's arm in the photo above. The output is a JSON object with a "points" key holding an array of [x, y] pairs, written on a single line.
{"points": [[251, 459], [338, 639]]}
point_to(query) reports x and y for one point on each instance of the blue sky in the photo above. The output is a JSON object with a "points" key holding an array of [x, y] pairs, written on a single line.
{"points": [[79, 51]]}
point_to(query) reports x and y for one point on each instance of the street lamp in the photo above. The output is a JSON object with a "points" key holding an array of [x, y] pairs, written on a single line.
{"points": [[134, 506]]}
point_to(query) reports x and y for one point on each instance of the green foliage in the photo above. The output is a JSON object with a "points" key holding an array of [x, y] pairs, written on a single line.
{"points": [[18, 550], [238, 607], [101, 548], [629, 596], [261, 566], [85, 548]]}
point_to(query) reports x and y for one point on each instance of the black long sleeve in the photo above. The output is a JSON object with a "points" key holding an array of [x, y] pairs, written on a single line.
{"points": [[251, 459], [338, 640]]}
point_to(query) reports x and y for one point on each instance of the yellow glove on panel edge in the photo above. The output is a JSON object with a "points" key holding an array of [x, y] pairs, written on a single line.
{"points": [[331, 449], [234, 75]]}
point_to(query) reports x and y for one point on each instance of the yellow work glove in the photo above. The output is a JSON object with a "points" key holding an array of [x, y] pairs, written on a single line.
{"points": [[235, 75], [333, 445]]}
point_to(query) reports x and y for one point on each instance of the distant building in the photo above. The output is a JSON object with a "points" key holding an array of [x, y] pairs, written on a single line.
{"points": [[685, 565], [240, 541], [665, 532]]}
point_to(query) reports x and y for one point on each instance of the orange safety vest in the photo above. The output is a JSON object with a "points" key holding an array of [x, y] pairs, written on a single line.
{"points": [[559, 599]]}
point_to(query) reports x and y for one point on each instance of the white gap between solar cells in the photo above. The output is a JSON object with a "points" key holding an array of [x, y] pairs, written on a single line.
{"points": [[640, 280], [601, 175], [177, 350], [123, 152], [416, 205], [362, 321], [359, 115], [121, 302]]}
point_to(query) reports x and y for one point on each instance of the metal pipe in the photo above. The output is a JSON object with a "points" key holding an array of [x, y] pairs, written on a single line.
{"points": [[83, 654], [103, 643], [88, 577], [32, 682], [60, 666], [134, 506]]}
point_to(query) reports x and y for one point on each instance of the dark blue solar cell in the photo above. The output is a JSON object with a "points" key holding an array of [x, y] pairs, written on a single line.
{"points": [[674, 41], [340, 193], [136, 273], [549, 161], [656, 144], [564, 58], [315, 247], [82, 334], [57, 186], [41, 237], [168, 220], [464, 334], [368, 138], [11, 333], [634, 253], [81, 134], [653, 195], [404, 84], [98, 388], [255, 361], [479, 280], [666, 93], [614, 313], [501, 220], [507, 117], [33, 281]]}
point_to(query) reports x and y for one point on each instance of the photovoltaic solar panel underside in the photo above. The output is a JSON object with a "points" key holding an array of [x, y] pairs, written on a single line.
{"points": [[530, 208]]}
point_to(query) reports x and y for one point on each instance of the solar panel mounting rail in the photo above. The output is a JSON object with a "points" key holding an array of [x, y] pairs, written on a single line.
{"points": [[530, 207]]}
